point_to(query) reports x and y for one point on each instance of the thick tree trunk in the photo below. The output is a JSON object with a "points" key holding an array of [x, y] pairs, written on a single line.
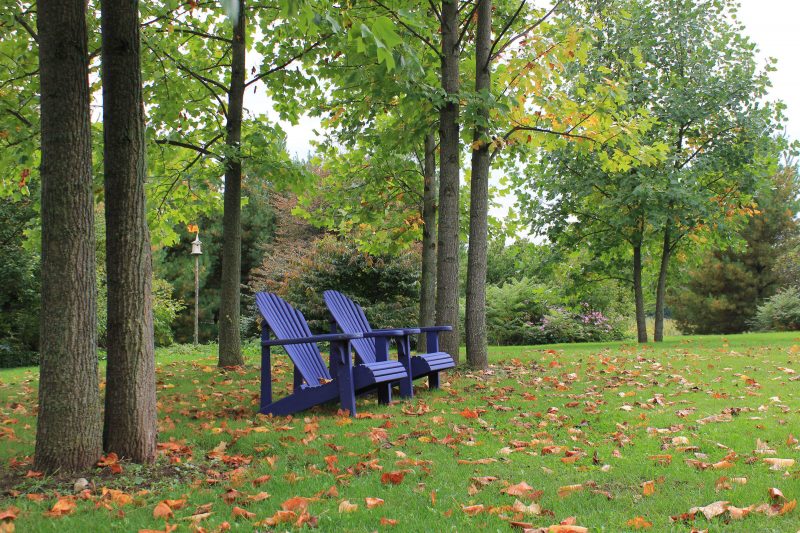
{"points": [[638, 294], [661, 287], [427, 300], [68, 431], [475, 322], [447, 252], [230, 347], [130, 415]]}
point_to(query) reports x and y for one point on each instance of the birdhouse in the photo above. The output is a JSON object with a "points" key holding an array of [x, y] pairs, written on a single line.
{"points": [[197, 245]]}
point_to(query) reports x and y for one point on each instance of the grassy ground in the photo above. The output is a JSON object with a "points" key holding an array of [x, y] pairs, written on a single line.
{"points": [[586, 426]]}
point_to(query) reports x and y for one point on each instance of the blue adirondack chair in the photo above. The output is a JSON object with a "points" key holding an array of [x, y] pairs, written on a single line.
{"points": [[350, 318], [315, 383]]}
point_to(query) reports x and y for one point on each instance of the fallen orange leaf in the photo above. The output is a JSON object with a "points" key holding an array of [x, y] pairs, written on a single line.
{"points": [[238, 511], [162, 510], [638, 523], [472, 510], [395, 477]]}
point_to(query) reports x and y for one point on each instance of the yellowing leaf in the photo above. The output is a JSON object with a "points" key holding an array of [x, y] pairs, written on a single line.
{"points": [[346, 507]]}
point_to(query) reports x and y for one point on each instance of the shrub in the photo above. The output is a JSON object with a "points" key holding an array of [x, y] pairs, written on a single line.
{"points": [[386, 287], [781, 312], [523, 312], [513, 309], [165, 310]]}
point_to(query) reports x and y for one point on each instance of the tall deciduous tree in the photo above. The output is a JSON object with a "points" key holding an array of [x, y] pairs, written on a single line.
{"points": [[475, 320], [230, 346], [427, 301], [68, 431], [130, 414], [449, 180]]}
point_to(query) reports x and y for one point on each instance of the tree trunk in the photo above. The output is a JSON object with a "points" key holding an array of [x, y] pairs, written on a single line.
{"points": [[130, 416], [68, 431], [427, 301], [638, 294], [475, 323], [666, 252], [230, 347], [447, 252]]}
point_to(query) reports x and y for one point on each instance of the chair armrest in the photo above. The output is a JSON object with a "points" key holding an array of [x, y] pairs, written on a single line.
{"points": [[426, 329], [389, 332], [331, 337]]}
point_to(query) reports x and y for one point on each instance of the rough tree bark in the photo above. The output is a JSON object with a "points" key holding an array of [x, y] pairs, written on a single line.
{"points": [[427, 300], [68, 430], [661, 287], [230, 347], [129, 428], [448, 238], [638, 294], [475, 321]]}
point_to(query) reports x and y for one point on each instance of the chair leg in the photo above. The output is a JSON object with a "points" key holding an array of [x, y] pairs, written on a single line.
{"points": [[433, 380], [347, 394], [404, 356], [385, 393]]}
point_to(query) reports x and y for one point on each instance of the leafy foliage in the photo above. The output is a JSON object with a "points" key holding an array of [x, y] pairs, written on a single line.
{"points": [[720, 294], [780, 312], [19, 286], [387, 287]]}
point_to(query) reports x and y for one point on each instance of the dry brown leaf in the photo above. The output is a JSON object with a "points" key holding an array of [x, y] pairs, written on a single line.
{"points": [[395, 478], [638, 522], [568, 489], [532, 509], [520, 489], [472, 510], [779, 464], [372, 503], [345, 506], [9, 513], [296, 503], [63, 506], [711, 510], [244, 513], [280, 517], [162, 510], [649, 488]]}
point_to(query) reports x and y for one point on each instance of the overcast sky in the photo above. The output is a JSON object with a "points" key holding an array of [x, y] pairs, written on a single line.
{"points": [[772, 24]]}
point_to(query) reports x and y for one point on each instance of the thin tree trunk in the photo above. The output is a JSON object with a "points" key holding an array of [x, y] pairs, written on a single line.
{"points": [[475, 323], [230, 347], [638, 294], [68, 430], [661, 287], [447, 252], [427, 300], [130, 416]]}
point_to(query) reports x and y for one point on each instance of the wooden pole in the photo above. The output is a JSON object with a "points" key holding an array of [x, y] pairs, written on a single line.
{"points": [[196, 297]]}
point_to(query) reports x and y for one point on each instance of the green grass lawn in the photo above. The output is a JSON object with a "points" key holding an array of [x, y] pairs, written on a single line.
{"points": [[586, 426]]}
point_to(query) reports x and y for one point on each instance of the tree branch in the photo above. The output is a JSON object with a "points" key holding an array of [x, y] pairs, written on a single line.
{"points": [[19, 117], [286, 63], [522, 34], [28, 28], [413, 32]]}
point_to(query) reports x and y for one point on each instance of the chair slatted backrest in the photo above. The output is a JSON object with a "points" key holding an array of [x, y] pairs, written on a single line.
{"points": [[286, 322], [351, 319]]}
